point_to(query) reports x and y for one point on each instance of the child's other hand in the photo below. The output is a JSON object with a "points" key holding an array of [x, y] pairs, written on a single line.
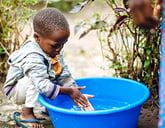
{"points": [[88, 96], [90, 107]]}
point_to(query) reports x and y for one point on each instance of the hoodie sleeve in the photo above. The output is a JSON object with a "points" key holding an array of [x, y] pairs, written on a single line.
{"points": [[35, 68], [65, 78]]}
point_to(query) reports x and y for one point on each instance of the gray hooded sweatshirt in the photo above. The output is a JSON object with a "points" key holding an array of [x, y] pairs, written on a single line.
{"points": [[31, 61]]}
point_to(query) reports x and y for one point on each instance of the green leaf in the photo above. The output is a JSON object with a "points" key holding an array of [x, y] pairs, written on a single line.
{"points": [[147, 64], [2, 51], [148, 51]]}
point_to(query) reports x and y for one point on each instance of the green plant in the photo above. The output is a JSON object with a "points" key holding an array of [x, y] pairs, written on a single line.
{"points": [[131, 51], [14, 14], [63, 5]]}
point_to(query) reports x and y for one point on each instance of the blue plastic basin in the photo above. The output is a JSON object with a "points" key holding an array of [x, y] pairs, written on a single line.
{"points": [[117, 104]]}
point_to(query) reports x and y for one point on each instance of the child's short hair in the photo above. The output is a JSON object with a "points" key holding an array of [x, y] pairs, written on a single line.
{"points": [[49, 20]]}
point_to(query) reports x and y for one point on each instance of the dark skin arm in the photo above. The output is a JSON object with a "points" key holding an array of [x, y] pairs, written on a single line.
{"points": [[157, 8], [143, 13]]}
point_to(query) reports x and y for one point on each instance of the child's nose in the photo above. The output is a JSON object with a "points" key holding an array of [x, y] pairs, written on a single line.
{"points": [[59, 49]]}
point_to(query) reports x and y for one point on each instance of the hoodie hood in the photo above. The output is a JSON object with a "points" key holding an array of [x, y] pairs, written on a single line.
{"points": [[30, 46]]}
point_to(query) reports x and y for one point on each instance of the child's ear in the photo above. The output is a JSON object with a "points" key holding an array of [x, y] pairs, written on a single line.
{"points": [[37, 36]]}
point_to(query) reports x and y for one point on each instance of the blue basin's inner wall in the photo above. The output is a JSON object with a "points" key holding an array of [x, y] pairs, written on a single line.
{"points": [[116, 89]]}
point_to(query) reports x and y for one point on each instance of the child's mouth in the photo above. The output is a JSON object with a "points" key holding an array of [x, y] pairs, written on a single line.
{"points": [[55, 54]]}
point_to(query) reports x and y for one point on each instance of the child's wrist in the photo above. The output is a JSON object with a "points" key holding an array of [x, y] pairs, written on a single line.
{"points": [[66, 90]]}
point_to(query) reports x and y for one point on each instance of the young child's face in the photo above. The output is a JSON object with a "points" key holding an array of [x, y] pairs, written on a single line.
{"points": [[53, 43]]}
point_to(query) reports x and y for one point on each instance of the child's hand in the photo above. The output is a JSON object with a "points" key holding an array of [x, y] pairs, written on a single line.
{"points": [[90, 107], [79, 98]]}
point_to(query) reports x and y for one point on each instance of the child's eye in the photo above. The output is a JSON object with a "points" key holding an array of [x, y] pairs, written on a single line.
{"points": [[56, 46], [62, 41]]}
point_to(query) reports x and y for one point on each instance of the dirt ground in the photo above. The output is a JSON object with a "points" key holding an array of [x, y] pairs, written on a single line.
{"points": [[84, 59]]}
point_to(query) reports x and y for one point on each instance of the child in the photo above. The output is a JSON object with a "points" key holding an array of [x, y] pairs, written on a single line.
{"points": [[38, 67]]}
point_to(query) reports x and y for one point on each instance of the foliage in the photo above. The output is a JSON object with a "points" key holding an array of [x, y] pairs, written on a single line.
{"points": [[131, 51], [63, 5], [14, 14]]}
